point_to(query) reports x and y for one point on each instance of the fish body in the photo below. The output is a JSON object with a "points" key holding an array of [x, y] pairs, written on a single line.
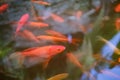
{"points": [[57, 18], [59, 76], [55, 33], [42, 2], [3, 8], [116, 50], [38, 24], [74, 60], [56, 39], [23, 20], [32, 56], [117, 24], [117, 8], [29, 35]]}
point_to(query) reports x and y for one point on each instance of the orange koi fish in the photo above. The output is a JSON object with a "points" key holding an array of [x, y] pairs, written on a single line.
{"points": [[59, 76], [42, 2], [57, 18], [35, 55], [38, 24], [117, 24], [55, 33], [74, 60], [29, 35], [55, 39], [3, 8], [116, 50], [23, 20], [117, 8]]}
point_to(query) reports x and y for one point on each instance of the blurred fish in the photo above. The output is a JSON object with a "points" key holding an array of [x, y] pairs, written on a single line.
{"points": [[116, 50], [57, 18], [78, 14], [55, 33], [35, 55], [28, 35], [117, 24], [117, 8], [38, 24], [42, 2], [23, 20], [55, 39], [3, 8], [59, 76], [74, 60]]}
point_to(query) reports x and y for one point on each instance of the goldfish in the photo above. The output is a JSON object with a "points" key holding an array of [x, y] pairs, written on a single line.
{"points": [[116, 50], [117, 24], [55, 33], [73, 59], [29, 35], [38, 24], [57, 18], [42, 2], [23, 20], [59, 76], [31, 56], [55, 39], [117, 8], [3, 8]]}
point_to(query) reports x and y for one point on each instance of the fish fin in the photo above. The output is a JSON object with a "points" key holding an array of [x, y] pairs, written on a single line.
{"points": [[59, 76], [45, 64], [21, 60]]}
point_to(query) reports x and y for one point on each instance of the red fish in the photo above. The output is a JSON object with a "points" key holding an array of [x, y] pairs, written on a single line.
{"points": [[35, 55], [38, 24], [56, 39], [117, 24], [23, 20], [42, 2], [3, 8], [117, 8], [55, 33], [74, 60], [57, 18], [29, 35]]}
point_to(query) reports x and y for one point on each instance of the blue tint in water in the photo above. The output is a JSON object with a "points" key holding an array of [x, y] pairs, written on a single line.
{"points": [[107, 51], [115, 71]]}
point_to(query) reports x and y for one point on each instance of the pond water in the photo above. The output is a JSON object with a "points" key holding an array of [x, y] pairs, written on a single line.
{"points": [[59, 40]]}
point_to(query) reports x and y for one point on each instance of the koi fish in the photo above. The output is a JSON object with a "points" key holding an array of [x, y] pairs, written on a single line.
{"points": [[117, 8], [3, 8], [117, 24], [38, 24], [23, 20], [42, 2], [55, 39], [29, 35], [59, 76], [55, 33], [116, 50], [74, 60], [35, 55], [57, 18]]}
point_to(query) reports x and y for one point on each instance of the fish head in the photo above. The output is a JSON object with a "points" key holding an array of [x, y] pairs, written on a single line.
{"points": [[56, 49]]}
